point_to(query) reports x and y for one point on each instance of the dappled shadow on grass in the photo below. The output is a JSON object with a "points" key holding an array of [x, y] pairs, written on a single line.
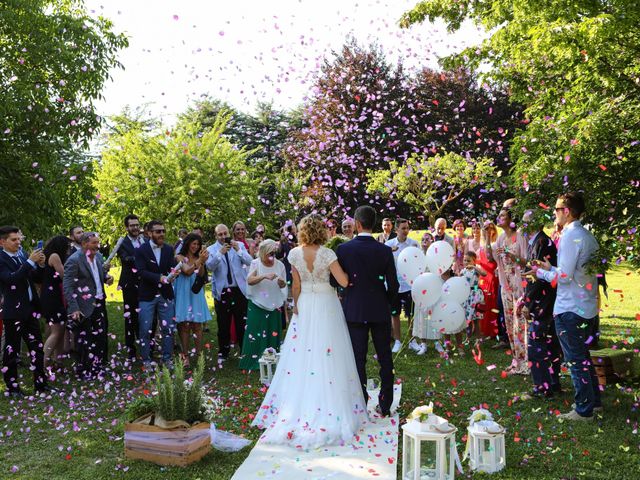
{"points": [[538, 445]]}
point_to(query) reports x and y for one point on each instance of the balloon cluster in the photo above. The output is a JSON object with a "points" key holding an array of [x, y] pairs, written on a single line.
{"points": [[442, 300]]}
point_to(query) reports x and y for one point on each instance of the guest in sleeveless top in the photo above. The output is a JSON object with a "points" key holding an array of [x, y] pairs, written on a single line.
{"points": [[54, 310], [192, 310], [474, 243], [488, 311], [459, 246], [510, 253], [267, 292]]}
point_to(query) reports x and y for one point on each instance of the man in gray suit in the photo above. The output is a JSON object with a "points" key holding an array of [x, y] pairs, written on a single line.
{"points": [[83, 284]]}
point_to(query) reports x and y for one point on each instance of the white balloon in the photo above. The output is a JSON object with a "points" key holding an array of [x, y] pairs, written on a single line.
{"points": [[456, 289], [411, 263], [448, 317], [440, 256], [426, 290]]}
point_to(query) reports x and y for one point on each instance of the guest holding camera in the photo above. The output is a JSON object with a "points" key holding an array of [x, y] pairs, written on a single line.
{"points": [[228, 261], [20, 310]]}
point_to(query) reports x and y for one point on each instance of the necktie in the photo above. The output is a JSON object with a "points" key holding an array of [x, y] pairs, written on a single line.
{"points": [[229, 277], [18, 262]]}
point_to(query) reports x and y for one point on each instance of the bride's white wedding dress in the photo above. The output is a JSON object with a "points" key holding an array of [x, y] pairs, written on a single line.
{"points": [[315, 396]]}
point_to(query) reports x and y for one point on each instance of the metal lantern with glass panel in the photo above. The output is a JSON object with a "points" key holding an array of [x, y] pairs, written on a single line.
{"points": [[486, 448], [485, 443], [429, 449], [267, 363]]}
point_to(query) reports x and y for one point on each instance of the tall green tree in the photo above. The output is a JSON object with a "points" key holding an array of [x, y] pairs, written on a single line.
{"points": [[54, 60], [186, 177], [263, 133], [575, 67]]}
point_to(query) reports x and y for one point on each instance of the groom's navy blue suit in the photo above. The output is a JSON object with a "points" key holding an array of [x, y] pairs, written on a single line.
{"points": [[373, 285]]}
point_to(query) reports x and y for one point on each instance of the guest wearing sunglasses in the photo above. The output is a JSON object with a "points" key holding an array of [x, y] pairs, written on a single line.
{"points": [[154, 262]]}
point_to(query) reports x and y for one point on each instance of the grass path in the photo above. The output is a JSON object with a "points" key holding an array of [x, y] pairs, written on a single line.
{"points": [[79, 434]]}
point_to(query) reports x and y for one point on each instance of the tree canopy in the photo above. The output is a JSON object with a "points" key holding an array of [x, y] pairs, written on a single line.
{"points": [[186, 178], [575, 68], [54, 61], [366, 113], [430, 184]]}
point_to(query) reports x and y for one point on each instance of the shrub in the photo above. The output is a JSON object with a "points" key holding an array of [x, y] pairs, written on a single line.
{"points": [[180, 399]]}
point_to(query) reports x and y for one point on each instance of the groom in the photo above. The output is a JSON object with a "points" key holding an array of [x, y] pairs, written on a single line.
{"points": [[373, 285]]}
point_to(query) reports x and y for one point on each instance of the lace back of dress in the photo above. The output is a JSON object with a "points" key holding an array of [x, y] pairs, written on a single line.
{"points": [[320, 274]]}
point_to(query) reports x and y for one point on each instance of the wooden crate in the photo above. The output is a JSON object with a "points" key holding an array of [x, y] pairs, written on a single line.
{"points": [[179, 446], [612, 365]]}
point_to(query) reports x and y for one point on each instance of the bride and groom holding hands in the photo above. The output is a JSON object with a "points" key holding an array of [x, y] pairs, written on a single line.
{"points": [[318, 394]]}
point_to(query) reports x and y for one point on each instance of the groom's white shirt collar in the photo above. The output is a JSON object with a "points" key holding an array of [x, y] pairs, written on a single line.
{"points": [[365, 234]]}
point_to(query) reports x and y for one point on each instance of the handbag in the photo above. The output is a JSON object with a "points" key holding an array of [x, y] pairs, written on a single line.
{"points": [[201, 279]]}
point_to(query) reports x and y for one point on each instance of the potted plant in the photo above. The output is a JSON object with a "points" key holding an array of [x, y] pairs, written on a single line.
{"points": [[172, 426]]}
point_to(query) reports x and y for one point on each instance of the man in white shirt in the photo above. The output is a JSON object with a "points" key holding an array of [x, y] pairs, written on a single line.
{"points": [[84, 290], [228, 263], [129, 282], [348, 228], [576, 306], [403, 299], [75, 234]]}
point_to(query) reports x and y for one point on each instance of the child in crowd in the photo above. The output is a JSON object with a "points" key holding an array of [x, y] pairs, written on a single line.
{"points": [[472, 272], [458, 335], [422, 328]]}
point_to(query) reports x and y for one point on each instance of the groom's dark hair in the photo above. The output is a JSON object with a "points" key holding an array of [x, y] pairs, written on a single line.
{"points": [[366, 215]]}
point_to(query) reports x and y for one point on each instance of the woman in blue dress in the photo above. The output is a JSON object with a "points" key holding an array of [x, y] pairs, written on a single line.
{"points": [[192, 310]]}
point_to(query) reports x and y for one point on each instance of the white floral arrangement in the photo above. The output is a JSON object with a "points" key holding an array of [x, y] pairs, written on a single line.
{"points": [[421, 414], [269, 354], [482, 421], [480, 415]]}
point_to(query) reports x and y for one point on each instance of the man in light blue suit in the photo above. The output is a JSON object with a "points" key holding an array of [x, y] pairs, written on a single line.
{"points": [[228, 263]]}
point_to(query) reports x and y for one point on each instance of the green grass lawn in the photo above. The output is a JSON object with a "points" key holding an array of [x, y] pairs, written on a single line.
{"points": [[79, 434]]}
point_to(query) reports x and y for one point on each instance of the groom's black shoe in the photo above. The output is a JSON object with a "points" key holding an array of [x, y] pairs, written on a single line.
{"points": [[381, 413]]}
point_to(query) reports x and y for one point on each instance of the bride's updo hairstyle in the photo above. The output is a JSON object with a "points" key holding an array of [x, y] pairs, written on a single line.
{"points": [[312, 230]]}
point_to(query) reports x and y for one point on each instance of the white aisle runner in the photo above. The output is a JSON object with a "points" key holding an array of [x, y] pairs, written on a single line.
{"points": [[373, 454]]}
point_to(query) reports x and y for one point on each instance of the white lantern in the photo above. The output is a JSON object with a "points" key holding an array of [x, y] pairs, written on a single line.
{"points": [[267, 364], [486, 448], [429, 449]]}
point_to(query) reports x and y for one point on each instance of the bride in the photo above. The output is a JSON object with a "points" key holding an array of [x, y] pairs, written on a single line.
{"points": [[315, 397]]}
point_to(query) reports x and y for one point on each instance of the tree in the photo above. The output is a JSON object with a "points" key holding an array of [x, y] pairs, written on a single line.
{"points": [[54, 60], [186, 177], [575, 67], [263, 134], [473, 121], [366, 113], [358, 119], [431, 184]]}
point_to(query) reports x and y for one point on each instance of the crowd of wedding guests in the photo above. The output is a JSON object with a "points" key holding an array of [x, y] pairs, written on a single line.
{"points": [[531, 292]]}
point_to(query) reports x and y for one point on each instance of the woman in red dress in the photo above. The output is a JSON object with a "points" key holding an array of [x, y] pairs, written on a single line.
{"points": [[488, 312]]}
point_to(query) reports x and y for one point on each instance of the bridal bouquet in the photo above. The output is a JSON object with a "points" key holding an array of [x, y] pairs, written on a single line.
{"points": [[421, 414]]}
